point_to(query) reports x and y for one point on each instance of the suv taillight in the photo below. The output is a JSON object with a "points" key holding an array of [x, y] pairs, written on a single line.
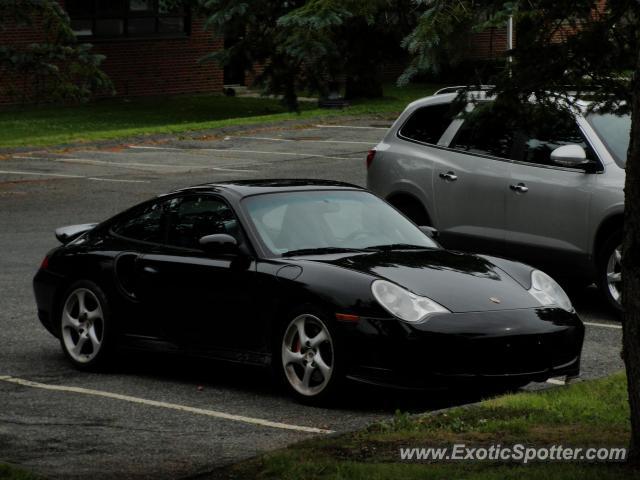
{"points": [[370, 156], [45, 263]]}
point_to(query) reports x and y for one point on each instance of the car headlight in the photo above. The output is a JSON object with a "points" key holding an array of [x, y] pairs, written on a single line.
{"points": [[402, 303], [547, 291]]}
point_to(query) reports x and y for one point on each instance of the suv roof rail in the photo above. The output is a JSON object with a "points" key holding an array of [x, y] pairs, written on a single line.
{"points": [[459, 88]]}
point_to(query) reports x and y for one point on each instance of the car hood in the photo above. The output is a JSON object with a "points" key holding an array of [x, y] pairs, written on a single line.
{"points": [[458, 281]]}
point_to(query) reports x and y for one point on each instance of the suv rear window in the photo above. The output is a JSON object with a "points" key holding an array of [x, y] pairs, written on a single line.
{"points": [[427, 124]]}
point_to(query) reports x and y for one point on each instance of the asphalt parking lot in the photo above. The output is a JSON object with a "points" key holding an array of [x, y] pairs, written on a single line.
{"points": [[159, 416]]}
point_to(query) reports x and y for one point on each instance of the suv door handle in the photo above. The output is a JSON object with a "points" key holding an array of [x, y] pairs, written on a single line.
{"points": [[449, 176], [519, 188]]}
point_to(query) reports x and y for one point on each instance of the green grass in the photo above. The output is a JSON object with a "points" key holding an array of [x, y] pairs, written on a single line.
{"points": [[587, 414], [114, 119], [8, 472]]}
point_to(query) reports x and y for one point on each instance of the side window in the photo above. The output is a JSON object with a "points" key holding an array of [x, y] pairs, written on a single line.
{"points": [[427, 124], [145, 224], [485, 131], [193, 217], [539, 138]]}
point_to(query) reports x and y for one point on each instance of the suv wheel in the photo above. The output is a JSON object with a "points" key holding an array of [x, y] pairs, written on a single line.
{"points": [[610, 271], [413, 210]]}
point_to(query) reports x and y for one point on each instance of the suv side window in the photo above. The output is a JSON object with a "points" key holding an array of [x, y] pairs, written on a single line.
{"points": [[486, 132], [552, 129], [195, 216], [146, 224], [427, 124]]}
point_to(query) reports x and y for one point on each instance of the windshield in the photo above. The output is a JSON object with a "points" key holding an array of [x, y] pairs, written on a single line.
{"points": [[330, 221], [614, 131]]}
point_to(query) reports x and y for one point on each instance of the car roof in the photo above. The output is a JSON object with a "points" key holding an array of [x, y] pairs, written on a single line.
{"points": [[449, 94], [244, 188]]}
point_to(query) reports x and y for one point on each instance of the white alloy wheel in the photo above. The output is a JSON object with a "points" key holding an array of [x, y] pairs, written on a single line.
{"points": [[82, 325], [614, 274], [308, 355]]}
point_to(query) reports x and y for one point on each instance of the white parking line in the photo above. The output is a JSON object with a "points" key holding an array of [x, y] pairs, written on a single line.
{"points": [[306, 140], [21, 157], [352, 126], [556, 381], [138, 165], [117, 180], [260, 152], [171, 406], [64, 175], [39, 174], [604, 325]]}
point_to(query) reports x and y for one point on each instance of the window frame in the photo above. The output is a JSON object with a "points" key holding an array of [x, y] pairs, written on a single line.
{"points": [[127, 15], [132, 213], [135, 210], [448, 135], [599, 166], [599, 163], [223, 200], [452, 135], [251, 228], [413, 114]]}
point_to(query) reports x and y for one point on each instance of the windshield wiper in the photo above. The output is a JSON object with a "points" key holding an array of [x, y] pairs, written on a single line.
{"points": [[319, 251], [398, 246]]}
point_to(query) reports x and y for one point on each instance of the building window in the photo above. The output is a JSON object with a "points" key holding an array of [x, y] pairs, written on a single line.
{"points": [[128, 18]]}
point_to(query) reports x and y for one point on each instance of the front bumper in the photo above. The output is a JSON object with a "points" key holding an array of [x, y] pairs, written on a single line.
{"points": [[516, 346]]}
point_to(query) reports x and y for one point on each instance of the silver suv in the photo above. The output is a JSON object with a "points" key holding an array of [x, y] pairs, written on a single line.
{"points": [[546, 188]]}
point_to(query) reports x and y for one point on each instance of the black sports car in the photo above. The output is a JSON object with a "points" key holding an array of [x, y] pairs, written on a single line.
{"points": [[322, 280]]}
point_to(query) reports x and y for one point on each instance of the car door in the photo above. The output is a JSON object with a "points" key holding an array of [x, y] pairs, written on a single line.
{"points": [[469, 182], [133, 234], [548, 204], [205, 302]]}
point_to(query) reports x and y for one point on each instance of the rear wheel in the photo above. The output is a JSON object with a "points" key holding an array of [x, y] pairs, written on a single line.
{"points": [[610, 270], [307, 357], [412, 209], [85, 329]]}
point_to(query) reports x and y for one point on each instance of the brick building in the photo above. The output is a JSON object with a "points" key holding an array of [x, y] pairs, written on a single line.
{"points": [[155, 49], [150, 50]]}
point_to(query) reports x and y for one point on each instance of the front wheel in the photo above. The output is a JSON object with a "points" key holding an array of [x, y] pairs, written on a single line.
{"points": [[308, 360], [85, 329], [610, 270]]}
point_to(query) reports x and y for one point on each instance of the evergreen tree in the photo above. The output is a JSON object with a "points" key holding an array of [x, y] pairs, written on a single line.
{"points": [[311, 45], [564, 50], [57, 68]]}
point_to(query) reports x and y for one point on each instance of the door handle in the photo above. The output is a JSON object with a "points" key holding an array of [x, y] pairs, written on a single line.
{"points": [[519, 188], [150, 270], [449, 176]]}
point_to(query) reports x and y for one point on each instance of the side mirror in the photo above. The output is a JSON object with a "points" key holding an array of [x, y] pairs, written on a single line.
{"points": [[429, 231], [570, 156], [219, 243]]}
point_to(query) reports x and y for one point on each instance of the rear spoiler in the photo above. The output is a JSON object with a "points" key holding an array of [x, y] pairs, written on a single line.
{"points": [[71, 232]]}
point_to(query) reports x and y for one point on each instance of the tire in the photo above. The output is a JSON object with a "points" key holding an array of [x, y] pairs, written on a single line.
{"points": [[413, 210], [85, 326], [311, 370], [608, 265]]}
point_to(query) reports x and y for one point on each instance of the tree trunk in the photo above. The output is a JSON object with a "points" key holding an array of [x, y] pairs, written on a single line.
{"points": [[631, 272]]}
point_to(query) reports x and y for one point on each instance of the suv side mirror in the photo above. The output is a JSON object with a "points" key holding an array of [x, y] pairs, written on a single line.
{"points": [[570, 156], [219, 243], [429, 231]]}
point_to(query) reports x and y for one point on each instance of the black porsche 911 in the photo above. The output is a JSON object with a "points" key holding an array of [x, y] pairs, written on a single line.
{"points": [[321, 280]]}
